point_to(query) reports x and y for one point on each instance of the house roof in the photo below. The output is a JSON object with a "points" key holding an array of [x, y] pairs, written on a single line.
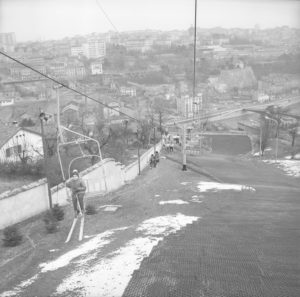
{"points": [[7, 132], [71, 105]]}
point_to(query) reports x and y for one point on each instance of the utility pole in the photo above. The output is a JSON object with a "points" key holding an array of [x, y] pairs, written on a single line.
{"points": [[184, 168], [60, 135], [184, 147], [154, 139], [43, 118], [160, 124], [139, 156], [195, 48]]}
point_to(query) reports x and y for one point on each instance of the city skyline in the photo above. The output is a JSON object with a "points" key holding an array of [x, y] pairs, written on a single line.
{"points": [[45, 19]]}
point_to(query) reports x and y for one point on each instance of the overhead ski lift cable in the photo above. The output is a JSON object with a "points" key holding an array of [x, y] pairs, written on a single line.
{"points": [[106, 15], [66, 86]]}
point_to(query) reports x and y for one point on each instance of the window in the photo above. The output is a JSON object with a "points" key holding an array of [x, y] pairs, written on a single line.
{"points": [[18, 148], [7, 152], [13, 151]]}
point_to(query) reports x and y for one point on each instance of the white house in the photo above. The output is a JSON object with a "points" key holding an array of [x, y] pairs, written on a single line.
{"points": [[18, 142], [96, 68], [189, 106], [76, 51], [261, 98], [128, 91]]}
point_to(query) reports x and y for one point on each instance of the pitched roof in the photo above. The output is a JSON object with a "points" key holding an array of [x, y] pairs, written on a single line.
{"points": [[6, 132]]}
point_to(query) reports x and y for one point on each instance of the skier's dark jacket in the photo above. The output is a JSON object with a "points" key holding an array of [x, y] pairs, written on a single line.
{"points": [[77, 186]]}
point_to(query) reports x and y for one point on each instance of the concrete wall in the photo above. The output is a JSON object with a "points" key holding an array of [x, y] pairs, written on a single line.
{"points": [[23, 205], [105, 176]]}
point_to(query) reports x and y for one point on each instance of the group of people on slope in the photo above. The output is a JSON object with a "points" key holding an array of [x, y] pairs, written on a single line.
{"points": [[154, 159], [169, 147]]}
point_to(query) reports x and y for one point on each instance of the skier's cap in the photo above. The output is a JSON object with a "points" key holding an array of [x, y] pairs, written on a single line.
{"points": [[75, 171]]}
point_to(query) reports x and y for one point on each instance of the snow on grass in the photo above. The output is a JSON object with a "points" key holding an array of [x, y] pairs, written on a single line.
{"points": [[215, 187], [96, 243], [53, 250], [290, 167], [18, 290], [185, 183], [173, 202], [110, 275], [196, 200], [165, 225], [64, 260]]}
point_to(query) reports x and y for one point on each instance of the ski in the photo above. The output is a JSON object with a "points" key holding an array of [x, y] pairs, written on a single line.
{"points": [[71, 230], [81, 228]]}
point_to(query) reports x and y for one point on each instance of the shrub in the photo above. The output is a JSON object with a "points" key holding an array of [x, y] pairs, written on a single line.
{"points": [[12, 237], [90, 209], [51, 222], [58, 212]]}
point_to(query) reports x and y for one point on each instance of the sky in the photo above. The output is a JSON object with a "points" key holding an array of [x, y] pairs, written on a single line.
{"points": [[55, 19]]}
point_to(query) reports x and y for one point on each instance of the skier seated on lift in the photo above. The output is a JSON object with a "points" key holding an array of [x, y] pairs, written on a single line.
{"points": [[77, 186]]}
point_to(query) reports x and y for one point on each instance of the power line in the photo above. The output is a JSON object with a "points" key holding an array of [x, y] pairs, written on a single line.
{"points": [[66, 86], [106, 15]]}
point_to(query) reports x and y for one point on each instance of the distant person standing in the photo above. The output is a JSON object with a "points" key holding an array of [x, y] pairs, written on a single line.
{"points": [[77, 186], [152, 161], [171, 147], [156, 158]]}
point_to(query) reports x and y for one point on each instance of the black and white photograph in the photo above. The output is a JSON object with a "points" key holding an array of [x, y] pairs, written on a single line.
{"points": [[150, 148]]}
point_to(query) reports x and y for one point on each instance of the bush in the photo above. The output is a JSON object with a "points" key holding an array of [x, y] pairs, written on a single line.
{"points": [[58, 212], [51, 222], [12, 237], [90, 209]]}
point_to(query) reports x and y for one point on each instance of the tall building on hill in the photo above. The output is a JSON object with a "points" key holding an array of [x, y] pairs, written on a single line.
{"points": [[189, 106], [8, 41], [94, 48]]}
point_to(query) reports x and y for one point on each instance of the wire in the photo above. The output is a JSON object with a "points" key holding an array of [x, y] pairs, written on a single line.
{"points": [[66, 86], [106, 15]]}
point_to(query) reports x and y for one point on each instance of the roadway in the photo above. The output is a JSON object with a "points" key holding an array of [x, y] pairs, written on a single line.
{"points": [[236, 112]]}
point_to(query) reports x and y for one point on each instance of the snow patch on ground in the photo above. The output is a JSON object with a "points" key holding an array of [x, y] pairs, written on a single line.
{"points": [[290, 167], [165, 225], [215, 187], [185, 183], [96, 243], [64, 260], [110, 275], [196, 200], [173, 202], [53, 250], [18, 289]]}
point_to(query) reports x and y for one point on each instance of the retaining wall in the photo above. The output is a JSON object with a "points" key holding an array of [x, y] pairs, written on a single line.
{"points": [[23, 204]]}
